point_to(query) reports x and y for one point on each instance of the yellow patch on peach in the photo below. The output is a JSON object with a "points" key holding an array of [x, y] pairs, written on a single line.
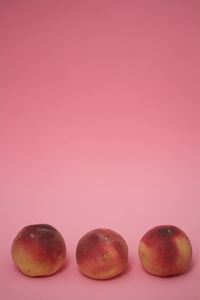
{"points": [[184, 247]]}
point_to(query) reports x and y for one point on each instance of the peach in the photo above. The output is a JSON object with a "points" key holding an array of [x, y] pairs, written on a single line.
{"points": [[102, 254], [165, 250], [38, 250]]}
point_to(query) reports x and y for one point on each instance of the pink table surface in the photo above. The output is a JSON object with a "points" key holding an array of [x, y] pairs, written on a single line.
{"points": [[99, 127]]}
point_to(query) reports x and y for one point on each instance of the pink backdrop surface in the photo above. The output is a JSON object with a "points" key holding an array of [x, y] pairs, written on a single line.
{"points": [[99, 127]]}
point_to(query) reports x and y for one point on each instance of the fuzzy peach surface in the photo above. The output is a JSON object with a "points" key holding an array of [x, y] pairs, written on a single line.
{"points": [[165, 251], [38, 250], [102, 254]]}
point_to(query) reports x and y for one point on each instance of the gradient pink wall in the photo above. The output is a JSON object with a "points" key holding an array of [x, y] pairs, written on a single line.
{"points": [[99, 127]]}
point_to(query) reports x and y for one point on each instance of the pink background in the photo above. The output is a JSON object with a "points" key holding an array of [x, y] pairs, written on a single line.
{"points": [[99, 127]]}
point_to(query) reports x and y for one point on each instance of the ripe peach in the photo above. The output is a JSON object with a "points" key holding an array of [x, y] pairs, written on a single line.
{"points": [[165, 250], [102, 254], [38, 250]]}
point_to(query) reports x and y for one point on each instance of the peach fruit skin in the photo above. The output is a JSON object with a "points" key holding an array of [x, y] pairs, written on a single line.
{"points": [[102, 254], [165, 250], [38, 250]]}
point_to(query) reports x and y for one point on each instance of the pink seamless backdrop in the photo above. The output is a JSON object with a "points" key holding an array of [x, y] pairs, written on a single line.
{"points": [[99, 127]]}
